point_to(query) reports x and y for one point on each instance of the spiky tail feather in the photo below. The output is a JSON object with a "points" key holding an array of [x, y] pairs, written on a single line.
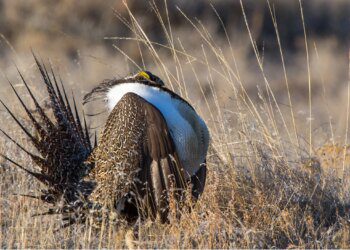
{"points": [[63, 145]]}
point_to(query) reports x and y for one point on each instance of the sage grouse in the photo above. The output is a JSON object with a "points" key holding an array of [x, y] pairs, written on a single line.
{"points": [[152, 149]]}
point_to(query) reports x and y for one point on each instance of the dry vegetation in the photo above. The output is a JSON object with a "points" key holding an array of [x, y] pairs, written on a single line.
{"points": [[278, 113]]}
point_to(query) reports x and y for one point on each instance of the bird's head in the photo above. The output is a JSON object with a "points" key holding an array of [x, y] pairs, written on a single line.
{"points": [[144, 77], [148, 76]]}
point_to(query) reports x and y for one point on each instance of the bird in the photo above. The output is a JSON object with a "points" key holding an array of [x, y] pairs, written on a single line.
{"points": [[165, 139], [152, 149]]}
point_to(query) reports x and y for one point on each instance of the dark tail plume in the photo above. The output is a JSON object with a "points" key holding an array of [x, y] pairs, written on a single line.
{"points": [[63, 143]]}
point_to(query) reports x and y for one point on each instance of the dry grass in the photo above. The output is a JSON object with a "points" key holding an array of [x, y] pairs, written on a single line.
{"points": [[275, 179]]}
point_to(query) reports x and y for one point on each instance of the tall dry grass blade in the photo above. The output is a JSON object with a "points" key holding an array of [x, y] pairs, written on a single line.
{"points": [[274, 21], [308, 76], [325, 99], [267, 84], [347, 124]]}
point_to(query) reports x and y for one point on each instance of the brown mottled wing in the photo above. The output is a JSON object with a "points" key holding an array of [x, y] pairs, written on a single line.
{"points": [[136, 164]]}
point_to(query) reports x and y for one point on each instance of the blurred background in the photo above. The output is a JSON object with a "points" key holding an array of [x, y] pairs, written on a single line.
{"points": [[83, 41]]}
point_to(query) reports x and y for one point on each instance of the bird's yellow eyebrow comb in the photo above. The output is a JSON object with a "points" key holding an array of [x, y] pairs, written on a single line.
{"points": [[144, 75]]}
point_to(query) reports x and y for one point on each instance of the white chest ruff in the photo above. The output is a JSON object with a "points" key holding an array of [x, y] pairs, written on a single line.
{"points": [[190, 147]]}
